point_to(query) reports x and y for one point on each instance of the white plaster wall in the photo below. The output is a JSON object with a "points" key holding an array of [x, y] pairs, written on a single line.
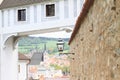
{"points": [[23, 70], [36, 19], [0, 56], [0, 40], [9, 61], [0, 22]]}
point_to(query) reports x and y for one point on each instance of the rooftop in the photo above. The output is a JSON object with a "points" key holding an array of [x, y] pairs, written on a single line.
{"points": [[23, 57], [15, 3], [36, 58]]}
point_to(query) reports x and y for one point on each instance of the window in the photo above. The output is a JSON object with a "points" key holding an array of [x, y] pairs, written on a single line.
{"points": [[22, 15], [50, 10]]}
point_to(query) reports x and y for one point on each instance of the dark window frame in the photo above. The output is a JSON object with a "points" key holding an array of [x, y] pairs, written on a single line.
{"points": [[50, 10], [22, 15]]}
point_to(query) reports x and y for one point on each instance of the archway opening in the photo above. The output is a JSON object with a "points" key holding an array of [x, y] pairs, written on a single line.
{"points": [[43, 56]]}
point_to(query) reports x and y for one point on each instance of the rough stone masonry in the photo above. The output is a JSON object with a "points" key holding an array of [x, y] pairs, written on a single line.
{"points": [[97, 43]]}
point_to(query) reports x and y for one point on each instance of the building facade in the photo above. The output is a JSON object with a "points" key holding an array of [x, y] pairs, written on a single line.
{"points": [[96, 42], [25, 17], [23, 67]]}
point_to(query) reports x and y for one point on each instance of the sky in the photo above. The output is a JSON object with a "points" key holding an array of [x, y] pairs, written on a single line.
{"points": [[61, 34]]}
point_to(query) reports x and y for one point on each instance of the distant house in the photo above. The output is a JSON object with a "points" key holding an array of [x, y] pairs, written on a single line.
{"points": [[23, 67], [36, 58], [38, 67]]}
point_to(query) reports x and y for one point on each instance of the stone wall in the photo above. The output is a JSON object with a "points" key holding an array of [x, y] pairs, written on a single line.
{"points": [[97, 43]]}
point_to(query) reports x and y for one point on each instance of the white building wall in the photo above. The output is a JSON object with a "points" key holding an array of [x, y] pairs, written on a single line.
{"points": [[0, 21], [9, 59], [71, 8], [66, 9], [31, 14], [0, 40], [22, 75], [0, 54], [61, 8], [36, 16], [11, 17], [79, 6]]}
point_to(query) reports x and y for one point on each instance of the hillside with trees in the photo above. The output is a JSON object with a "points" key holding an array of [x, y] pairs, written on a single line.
{"points": [[27, 44]]}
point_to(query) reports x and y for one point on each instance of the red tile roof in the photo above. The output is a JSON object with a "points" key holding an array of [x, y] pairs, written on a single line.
{"points": [[22, 57], [81, 17]]}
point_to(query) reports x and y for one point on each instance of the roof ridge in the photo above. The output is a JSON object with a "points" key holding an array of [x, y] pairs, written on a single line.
{"points": [[86, 6]]}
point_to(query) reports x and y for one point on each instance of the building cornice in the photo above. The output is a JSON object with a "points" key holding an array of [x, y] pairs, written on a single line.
{"points": [[15, 3]]}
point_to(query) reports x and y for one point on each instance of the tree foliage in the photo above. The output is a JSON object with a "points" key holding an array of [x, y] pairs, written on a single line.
{"points": [[27, 44]]}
